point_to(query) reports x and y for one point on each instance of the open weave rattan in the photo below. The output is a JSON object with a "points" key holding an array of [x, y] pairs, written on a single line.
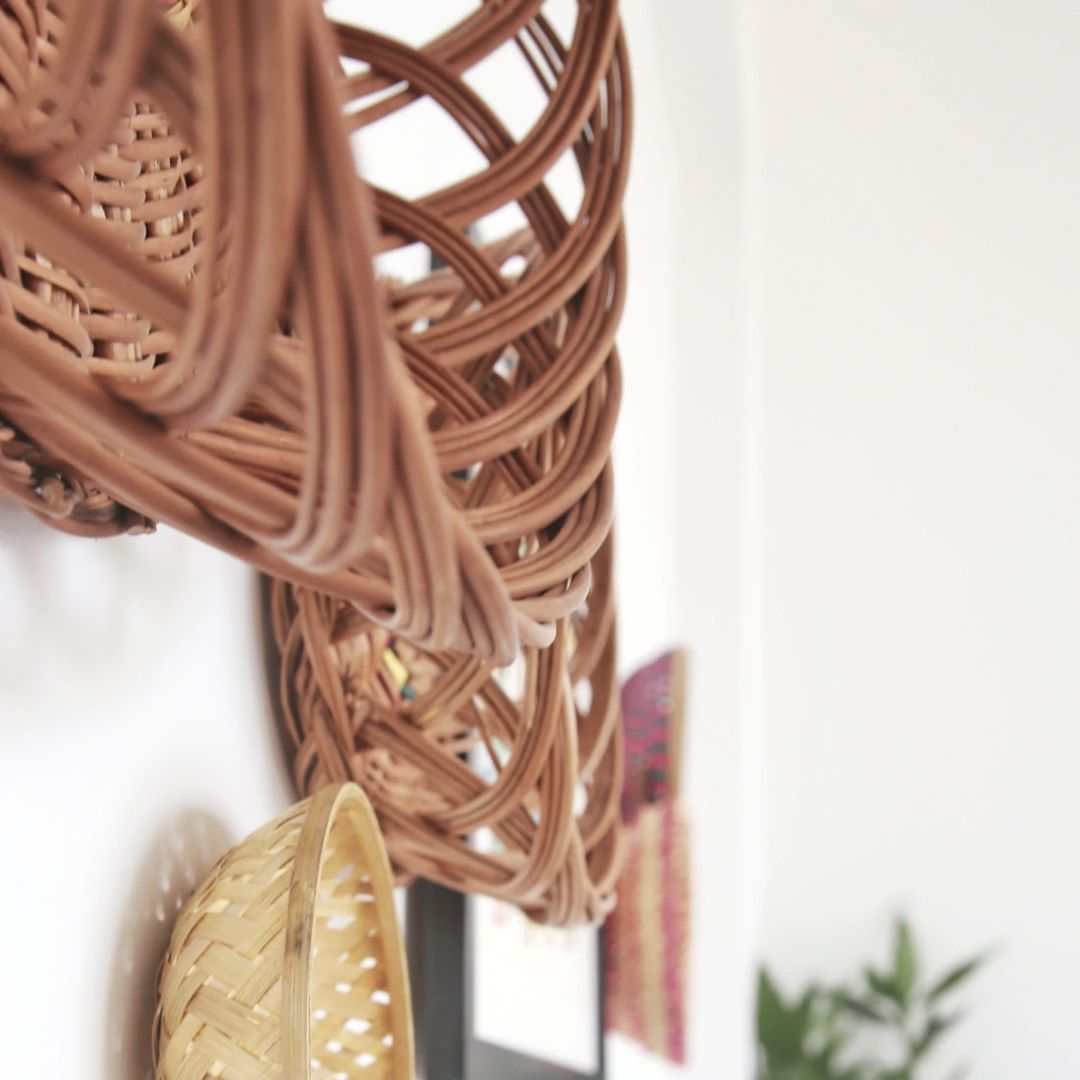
{"points": [[504, 783], [288, 961], [448, 474]]}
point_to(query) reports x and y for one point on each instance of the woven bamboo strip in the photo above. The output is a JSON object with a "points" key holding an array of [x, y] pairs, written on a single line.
{"points": [[288, 960]]}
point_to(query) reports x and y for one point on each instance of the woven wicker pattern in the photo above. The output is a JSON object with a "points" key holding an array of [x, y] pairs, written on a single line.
{"points": [[143, 187], [307, 895], [353, 1019], [220, 987], [268, 407], [504, 783]]}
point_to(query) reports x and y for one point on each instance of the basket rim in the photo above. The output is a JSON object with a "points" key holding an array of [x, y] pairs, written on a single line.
{"points": [[326, 807]]}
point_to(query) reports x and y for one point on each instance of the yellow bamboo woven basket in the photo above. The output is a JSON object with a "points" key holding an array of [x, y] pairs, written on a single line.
{"points": [[288, 961]]}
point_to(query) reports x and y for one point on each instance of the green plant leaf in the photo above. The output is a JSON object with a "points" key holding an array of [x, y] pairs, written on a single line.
{"points": [[954, 978], [865, 1010], [831, 1049], [882, 985], [936, 1026], [905, 963], [807, 1013], [825, 1058], [781, 1029]]}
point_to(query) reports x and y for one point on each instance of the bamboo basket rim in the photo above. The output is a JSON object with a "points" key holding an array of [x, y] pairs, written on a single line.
{"points": [[327, 806]]}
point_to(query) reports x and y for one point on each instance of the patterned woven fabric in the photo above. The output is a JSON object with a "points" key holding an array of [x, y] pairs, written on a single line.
{"points": [[646, 936], [652, 719]]}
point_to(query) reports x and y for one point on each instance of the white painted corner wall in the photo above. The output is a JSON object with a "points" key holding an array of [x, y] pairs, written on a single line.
{"points": [[916, 236]]}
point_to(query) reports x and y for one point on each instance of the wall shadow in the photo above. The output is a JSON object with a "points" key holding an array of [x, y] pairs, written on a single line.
{"points": [[179, 858]]}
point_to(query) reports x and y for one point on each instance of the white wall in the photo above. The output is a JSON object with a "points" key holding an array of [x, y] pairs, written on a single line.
{"points": [[916, 235], [682, 467], [137, 745]]}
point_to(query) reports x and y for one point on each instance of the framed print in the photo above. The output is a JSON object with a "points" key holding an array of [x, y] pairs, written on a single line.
{"points": [[497, 997]]}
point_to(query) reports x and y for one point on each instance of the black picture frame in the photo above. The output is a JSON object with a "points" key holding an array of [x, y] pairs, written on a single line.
{"points": [[440, 945]]}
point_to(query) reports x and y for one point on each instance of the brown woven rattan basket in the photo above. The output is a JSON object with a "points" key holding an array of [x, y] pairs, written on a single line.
{"points": [[288, 961], [142, 186], [436, 454], [503, 783]]}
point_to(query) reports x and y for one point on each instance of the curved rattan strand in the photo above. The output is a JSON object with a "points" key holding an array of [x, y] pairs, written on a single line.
{"points": [[288, 961], [503, 783], [445, 473]]}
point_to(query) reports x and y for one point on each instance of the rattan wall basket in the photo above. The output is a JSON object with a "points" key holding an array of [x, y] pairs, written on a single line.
{"points": [[504, 783], [449, 474], [288, 961], [142, 188]]}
